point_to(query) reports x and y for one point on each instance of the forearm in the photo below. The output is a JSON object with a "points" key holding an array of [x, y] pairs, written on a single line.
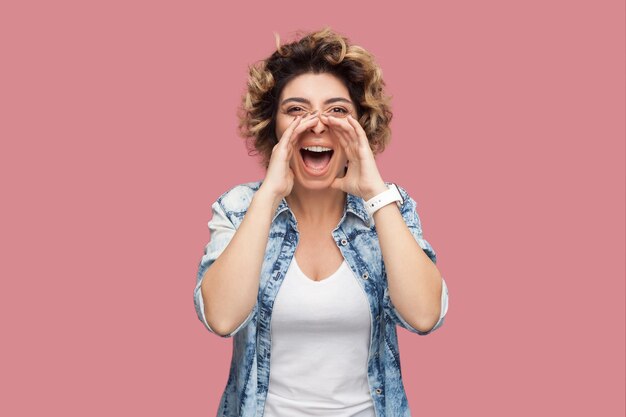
{"points": [[413, 279], [231, 284]]}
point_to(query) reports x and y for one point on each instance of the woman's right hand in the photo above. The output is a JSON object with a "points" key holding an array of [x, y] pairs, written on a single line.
{"points": [[278, 180]]}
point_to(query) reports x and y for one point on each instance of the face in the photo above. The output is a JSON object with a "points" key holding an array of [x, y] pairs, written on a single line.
{"points": [[328, 95]]}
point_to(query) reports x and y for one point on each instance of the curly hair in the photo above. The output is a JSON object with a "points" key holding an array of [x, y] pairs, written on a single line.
{"points": [[323, 51]]}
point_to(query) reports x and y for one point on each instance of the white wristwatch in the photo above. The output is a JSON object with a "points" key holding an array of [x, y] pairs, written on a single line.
{"points": [[384, 198]]}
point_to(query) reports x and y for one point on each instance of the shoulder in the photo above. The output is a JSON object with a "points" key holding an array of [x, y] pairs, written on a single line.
{"points": [[237, 199]]}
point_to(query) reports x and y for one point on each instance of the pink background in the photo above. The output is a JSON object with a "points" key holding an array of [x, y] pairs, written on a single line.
{"points": [[118, 131]]}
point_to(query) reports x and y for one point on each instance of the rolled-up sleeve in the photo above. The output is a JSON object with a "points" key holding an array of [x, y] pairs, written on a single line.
{"points": [[222, 231], [411, 217]]}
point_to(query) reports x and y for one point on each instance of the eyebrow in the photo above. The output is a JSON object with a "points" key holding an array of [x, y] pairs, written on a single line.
{"points": [[304, 100]]}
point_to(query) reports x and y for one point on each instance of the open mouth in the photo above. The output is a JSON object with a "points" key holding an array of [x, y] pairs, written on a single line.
{"points": [[316, 158]]}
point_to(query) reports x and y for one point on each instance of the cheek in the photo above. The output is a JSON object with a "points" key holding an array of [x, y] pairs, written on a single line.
{"points": [[281, 125]]}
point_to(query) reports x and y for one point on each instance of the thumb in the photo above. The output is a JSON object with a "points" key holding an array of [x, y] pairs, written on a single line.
{"points": [[337, 184]]}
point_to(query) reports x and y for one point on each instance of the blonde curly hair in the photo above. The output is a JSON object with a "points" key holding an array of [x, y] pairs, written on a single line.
{"points": [[323, 51]]}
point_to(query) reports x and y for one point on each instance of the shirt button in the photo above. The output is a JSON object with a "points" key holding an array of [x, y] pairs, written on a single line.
{"points": [[343, 242], [378, 391], [365, 275]]}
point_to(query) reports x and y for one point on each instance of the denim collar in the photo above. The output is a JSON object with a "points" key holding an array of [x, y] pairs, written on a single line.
{"points": [[354, 205]]}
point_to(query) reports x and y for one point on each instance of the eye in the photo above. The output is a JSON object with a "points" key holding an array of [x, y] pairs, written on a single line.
{"points": [[339, 112], [296, 110]]}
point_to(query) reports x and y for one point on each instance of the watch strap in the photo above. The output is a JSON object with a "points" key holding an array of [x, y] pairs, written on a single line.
{"points": [[389, 196]]}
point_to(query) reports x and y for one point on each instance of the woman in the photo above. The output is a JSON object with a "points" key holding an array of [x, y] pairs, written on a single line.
{"points": [[312, 268]]}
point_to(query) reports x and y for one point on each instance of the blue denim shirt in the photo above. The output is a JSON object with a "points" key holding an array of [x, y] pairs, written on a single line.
{"points": [[356, 237]]}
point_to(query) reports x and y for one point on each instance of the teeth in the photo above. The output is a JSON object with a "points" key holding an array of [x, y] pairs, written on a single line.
{"points": [[317, 148]]}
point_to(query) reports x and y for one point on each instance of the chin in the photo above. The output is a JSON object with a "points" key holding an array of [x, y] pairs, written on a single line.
{"points": [[317, 180]]}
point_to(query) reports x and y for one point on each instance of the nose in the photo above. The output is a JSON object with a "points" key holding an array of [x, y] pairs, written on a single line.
{"points": [[319, 127]]}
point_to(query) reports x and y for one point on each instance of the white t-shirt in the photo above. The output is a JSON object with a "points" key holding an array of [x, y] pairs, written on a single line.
{"points": [[320, 335]]}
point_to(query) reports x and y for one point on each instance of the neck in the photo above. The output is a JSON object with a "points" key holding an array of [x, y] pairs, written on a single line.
{"points": [[316, 206]]}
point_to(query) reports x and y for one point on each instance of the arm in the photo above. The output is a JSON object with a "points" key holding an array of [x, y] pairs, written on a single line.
{"points": [[416, 296], [228, 277], [230, 286], [413, 280]]}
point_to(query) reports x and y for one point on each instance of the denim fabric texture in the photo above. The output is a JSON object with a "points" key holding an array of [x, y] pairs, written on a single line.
{"points": [[356, 237]]}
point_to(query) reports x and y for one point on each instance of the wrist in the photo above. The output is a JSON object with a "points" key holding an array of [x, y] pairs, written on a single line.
{"points": [[267, 197], [389, 195], [374, 191]]}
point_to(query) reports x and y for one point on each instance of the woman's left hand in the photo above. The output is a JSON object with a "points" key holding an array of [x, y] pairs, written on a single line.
{"points": [[362, 178]]}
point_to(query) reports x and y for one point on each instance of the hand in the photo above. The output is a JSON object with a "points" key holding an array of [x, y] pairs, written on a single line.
{"points": [[278, 180], [362, 178]]}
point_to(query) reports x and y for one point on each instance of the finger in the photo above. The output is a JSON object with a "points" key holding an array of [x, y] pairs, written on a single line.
{"points": [[346, 134], [361, 135], [283, 142], [343, 126], [334, 124], [346, 148], [358, 137], [337, 184], [288, 132], [343, 139], [306, 123]]}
